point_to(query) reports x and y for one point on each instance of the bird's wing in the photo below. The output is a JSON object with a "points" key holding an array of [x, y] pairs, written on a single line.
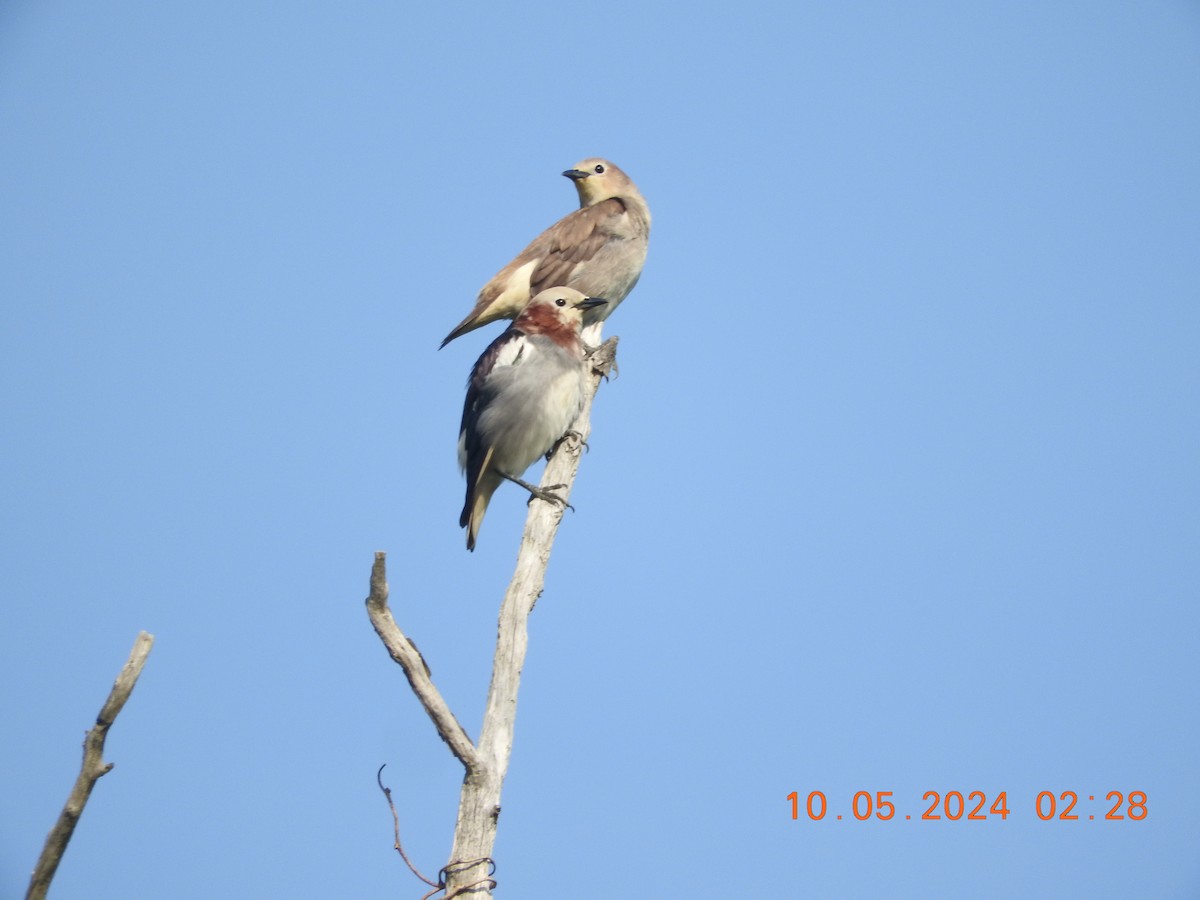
{"points": [[474, 456], [547, 262], [508, 349], [572, 240]]}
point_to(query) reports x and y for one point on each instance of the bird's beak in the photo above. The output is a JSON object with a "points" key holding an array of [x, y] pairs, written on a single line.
{"points": [[576, 174], [590, 303]]}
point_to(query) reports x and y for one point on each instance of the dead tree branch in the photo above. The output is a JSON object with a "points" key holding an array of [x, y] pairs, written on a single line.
{"points": [[91, 771], [405, 652], [486, 762]]}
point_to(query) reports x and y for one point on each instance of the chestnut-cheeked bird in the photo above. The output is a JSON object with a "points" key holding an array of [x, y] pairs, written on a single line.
{"points": [[523, 394], [599, 250]]}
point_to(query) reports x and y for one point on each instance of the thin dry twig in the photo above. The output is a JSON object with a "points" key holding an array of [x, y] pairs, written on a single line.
{"points": [[387, 792], [93, 768]]}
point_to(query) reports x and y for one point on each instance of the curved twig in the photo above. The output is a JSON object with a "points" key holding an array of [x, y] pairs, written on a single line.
{"points": [[387, 792]]}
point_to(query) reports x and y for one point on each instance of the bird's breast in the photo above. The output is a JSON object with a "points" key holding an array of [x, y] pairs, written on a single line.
{"points": [[533, 406]]}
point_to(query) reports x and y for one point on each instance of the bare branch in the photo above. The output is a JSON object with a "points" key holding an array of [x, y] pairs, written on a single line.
{"points": [[479, 803], [93, 768], [405, 652]]}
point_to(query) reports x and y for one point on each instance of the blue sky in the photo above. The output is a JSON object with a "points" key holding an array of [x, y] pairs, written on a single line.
{"points": [[897, 489]]}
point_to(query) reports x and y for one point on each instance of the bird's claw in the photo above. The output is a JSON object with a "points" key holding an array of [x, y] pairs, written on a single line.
{"points": [[547, 494], [570, 434], [603, 359]]}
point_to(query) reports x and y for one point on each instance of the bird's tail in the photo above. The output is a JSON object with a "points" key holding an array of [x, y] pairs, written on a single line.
{"points": [[501, 298], [479, 495]]}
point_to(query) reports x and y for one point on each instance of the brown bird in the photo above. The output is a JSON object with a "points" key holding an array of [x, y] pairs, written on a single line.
{"points": [[598, 250]]}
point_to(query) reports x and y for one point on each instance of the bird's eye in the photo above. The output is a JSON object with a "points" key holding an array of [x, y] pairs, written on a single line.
{"points": [[560, 302], [599, 170]]}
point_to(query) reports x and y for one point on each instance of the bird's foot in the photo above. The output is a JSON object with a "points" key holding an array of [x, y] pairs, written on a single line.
{"points": [[603, 359], [569, 435], [546, 493]]}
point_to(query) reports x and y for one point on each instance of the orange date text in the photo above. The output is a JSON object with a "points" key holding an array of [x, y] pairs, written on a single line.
{"points": [[970, 806]]}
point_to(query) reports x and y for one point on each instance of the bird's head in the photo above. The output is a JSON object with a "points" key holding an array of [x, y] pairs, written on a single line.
{"points": [[557, 312], [598, 180]]}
